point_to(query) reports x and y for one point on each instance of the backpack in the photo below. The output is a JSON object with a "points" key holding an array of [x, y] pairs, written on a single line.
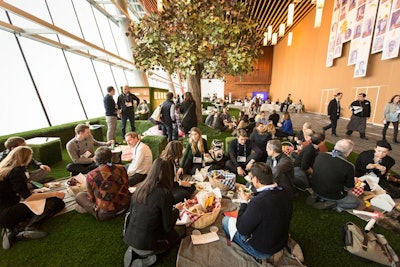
{"points": [[217, 154]]}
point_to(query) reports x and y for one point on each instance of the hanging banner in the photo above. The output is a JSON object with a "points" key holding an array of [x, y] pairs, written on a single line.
{"points": [[381, 26], [364, 46], [392, 37]]}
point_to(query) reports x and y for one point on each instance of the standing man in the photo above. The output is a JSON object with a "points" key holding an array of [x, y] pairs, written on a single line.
{"points": [[361, 109], [111, 113], [168, 116], [333, 113], [126, 106], [333, 178], [141, 161]]}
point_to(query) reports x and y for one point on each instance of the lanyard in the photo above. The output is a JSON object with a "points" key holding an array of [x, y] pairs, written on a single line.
{"points": [[79, 149], [137, 145], [244, 149]]}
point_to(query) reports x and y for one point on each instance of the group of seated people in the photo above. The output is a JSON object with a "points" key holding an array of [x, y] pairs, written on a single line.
{"points": [[154, 207]]}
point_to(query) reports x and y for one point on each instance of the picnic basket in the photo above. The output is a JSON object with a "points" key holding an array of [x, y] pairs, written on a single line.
{"points": [[224, 184], [203, 220], [287, 148]]}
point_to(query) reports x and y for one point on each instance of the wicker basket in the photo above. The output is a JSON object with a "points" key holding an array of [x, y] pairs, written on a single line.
{"points": [[287, 148], [200, 221], [226, 184]]}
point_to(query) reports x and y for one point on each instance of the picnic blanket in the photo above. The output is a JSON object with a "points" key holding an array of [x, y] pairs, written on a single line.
{"points": [[218, 253], [69, 198]]}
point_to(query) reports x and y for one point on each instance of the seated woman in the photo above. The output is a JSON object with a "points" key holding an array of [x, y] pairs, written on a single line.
{"points": [[143, 110], [260, 138], [181, 189], [107, 193], [242, 154], [22, 219], [286, 126], [150, 228], [193, 159]]}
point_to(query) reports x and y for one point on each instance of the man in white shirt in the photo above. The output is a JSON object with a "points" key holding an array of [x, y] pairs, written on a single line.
{"points": [[142, 159]]}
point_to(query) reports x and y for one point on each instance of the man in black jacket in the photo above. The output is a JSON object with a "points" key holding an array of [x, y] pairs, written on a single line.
{"points": [[127, 106], [168, 117], [333, 113], [333, 176], [361, 109], [262, 225]]}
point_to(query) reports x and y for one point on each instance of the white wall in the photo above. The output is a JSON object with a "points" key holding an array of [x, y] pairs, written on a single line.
{"points": [[209, 87]]}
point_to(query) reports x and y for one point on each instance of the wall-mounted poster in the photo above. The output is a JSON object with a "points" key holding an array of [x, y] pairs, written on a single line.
{"points": [[381, 26], [392, 39]]}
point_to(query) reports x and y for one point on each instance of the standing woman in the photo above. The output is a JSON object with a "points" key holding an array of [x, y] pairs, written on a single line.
{"points": [[188, 109], [151, 229], [193, 158], [13, 186], [391, 115], [181, 189]]}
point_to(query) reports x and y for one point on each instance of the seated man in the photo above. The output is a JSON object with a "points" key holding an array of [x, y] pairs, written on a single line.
{"points": [[263, 118], [107, 188], [377, 163], [262, 223], [38, 175], [301, 136], [240, 154], [333, 177], [81, 150], [142, 159], [281, 165], [210, 118], [304, 162]]}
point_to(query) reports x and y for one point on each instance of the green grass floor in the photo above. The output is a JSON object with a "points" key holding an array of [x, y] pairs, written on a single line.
{"points": [[79, 240]]}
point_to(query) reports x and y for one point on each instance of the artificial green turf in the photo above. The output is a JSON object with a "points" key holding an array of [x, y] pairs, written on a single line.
{"points": [[79, 240]]}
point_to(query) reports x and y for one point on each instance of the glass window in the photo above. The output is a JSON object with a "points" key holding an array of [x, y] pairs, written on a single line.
{"points": [[88, 86], [63, 15], [21, 109], [119, 76], [54, 82], [105, 76], [106, 35]]}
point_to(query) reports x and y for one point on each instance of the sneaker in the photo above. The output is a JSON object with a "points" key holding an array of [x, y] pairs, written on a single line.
{"points": [[148, 261], [31, 234], [323, 205], [7, 236], [80, 209]]}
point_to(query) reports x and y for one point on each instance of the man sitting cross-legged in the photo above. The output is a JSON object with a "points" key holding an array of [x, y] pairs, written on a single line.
{"points": [[81, 150], [263, 221], [333, 177], [107, 188]]}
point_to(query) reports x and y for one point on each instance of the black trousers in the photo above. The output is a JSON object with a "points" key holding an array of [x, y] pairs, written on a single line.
{"points": [[10, 217], [128, 113], [75, 168]]}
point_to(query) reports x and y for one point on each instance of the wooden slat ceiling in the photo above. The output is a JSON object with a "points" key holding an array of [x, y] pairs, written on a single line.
{"points": [[265, 12]]}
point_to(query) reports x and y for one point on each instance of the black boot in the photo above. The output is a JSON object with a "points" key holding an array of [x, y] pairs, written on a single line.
{"points": [[362, 136]]}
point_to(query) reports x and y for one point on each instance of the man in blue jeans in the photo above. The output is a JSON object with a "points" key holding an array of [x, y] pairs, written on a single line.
{"points": [[263, 222]]}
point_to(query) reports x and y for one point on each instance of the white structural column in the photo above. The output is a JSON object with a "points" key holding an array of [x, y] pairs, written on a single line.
{"points": [[124, 22]]}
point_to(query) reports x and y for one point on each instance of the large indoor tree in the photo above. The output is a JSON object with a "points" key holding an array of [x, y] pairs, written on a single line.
{"points": [[198, 39]]}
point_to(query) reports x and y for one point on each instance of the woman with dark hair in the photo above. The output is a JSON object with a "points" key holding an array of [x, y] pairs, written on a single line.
{"points": [[151, 229], [181, 190], [188, 109], [193, 158], [391, 115], [22, 219]]}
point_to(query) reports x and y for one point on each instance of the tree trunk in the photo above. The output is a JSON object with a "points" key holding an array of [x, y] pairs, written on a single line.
{"points": [[194, 87]]}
